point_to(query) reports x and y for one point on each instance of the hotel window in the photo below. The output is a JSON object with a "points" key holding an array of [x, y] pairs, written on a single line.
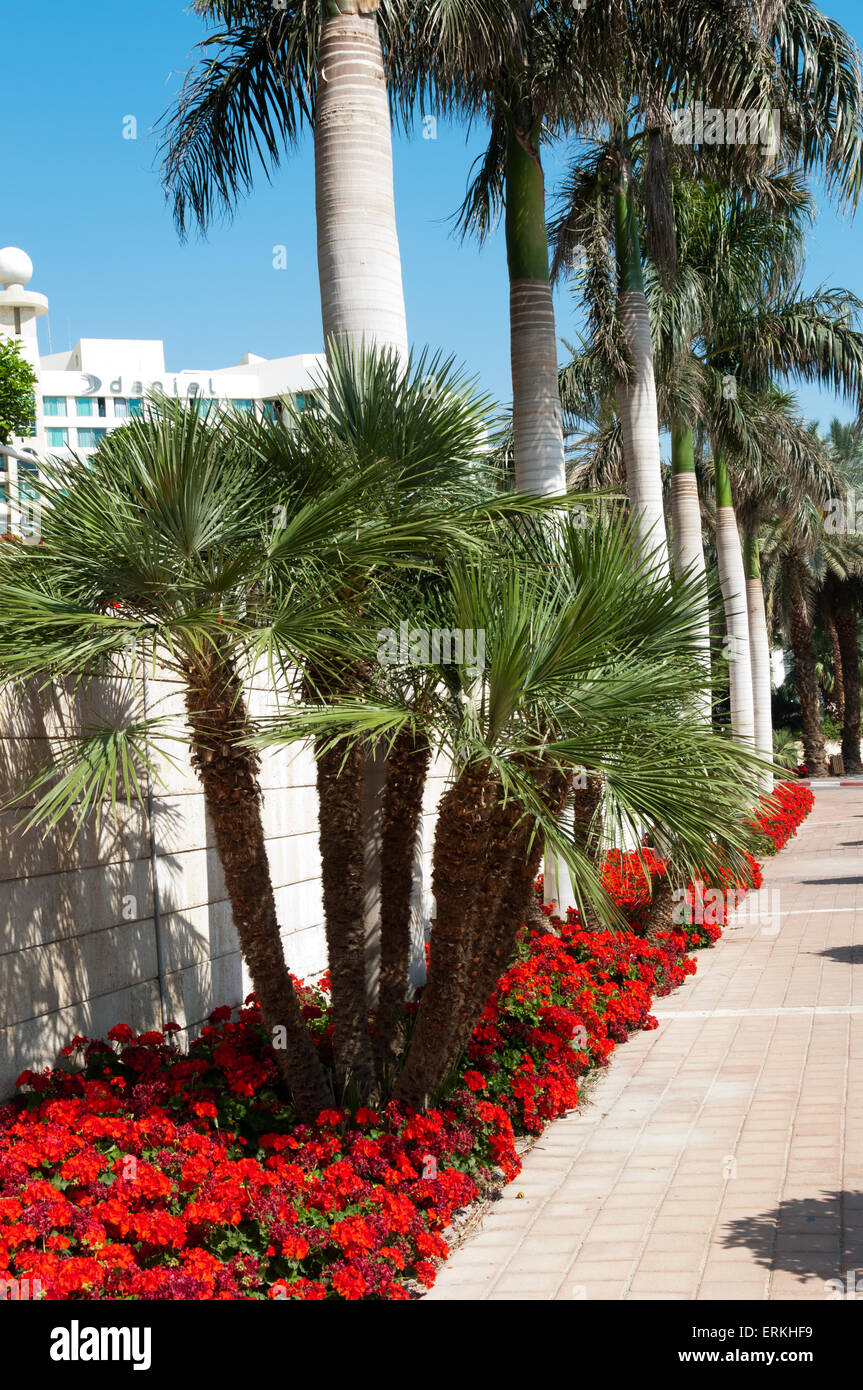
{"points": [[243, 405], [57, 439], [121, 408], [54, 405], [84, 405], [26, 489], [90, 439], [136, 405], [103, 409]]}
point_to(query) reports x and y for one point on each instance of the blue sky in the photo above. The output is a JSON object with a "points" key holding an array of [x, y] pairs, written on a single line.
{"points": [[88, 207]]}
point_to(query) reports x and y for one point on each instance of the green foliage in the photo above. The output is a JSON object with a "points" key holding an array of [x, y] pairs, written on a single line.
{"points": [[17, 395]]}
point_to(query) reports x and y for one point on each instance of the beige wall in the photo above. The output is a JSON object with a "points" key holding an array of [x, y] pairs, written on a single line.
{"points": [[78, 933]]}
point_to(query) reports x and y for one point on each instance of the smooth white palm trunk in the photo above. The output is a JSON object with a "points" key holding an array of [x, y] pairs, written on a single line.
{"points": [[732, 579], [358, 249], [759, 648], [537, 424], [688, 550], [639, 422]]}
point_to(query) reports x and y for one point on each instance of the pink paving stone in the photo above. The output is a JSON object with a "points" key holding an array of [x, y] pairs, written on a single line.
{"points": [[640, 1169]]}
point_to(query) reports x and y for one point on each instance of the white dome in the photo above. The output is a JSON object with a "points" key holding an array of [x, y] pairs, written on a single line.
{"points": [[16, 267]]}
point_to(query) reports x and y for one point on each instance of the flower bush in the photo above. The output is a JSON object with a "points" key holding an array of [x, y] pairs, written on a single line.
{"points": [[136, 1171]]}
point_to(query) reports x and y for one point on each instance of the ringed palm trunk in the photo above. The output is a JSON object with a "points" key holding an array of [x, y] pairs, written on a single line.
{"points": [[358, 249], [586, 824], [232, 795], [407, 767], [732, 579], [759, 654], [636, 397], [536, 413], [805, 679], [846, 628], [688, 546]]}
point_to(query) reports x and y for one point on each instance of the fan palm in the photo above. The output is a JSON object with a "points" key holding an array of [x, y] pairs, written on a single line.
{"points": [[588, 665], [208, 546]]}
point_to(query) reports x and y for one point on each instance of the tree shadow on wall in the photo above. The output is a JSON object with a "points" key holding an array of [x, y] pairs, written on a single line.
{"points": [[77, 922]]}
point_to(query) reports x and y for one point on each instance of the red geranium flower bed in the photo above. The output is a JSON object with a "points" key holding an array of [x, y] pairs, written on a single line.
{"points": [[138, 1171]]}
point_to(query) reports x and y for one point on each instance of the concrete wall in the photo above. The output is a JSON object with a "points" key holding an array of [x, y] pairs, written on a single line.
{"points": [[78, 915]]}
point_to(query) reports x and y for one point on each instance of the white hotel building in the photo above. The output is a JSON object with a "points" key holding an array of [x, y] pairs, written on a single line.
{"points": [[101, 382]]}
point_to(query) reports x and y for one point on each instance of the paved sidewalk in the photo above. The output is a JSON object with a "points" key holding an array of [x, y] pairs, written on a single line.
{"points": [[720, 1156]]}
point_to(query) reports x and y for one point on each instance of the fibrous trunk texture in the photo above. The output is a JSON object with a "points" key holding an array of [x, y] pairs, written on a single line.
{"points": [[407, 767], [515, 862], [343, 874], [846, 630], [458, 885], [228, 774], [806, 683], [358, 250], [486, 865], [838, 684], [660, 914]]}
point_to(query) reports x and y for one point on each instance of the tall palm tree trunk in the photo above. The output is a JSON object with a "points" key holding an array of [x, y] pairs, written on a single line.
{"points": [[805, 678], [759, 654], [228, 774], [407, 767], [732, 579], [688, 546], [636, 396], [536, 414], [358, 250], [846, 628]]}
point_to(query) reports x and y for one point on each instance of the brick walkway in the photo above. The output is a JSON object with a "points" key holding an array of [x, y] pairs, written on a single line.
{"points": [[720, 1156]]}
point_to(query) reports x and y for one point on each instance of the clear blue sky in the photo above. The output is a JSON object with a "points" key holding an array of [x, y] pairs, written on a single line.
{"points": [[88, 207]]}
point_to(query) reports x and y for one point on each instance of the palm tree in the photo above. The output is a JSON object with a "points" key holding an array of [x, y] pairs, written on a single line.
{"points": [[427, 417], [588, 664], [266, 73], [207, 546], [161, 550], [791, 57], [731, 319], [843, 598]]}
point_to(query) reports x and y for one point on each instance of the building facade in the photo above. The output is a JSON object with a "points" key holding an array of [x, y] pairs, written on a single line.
{"points": [[94, 387]]}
